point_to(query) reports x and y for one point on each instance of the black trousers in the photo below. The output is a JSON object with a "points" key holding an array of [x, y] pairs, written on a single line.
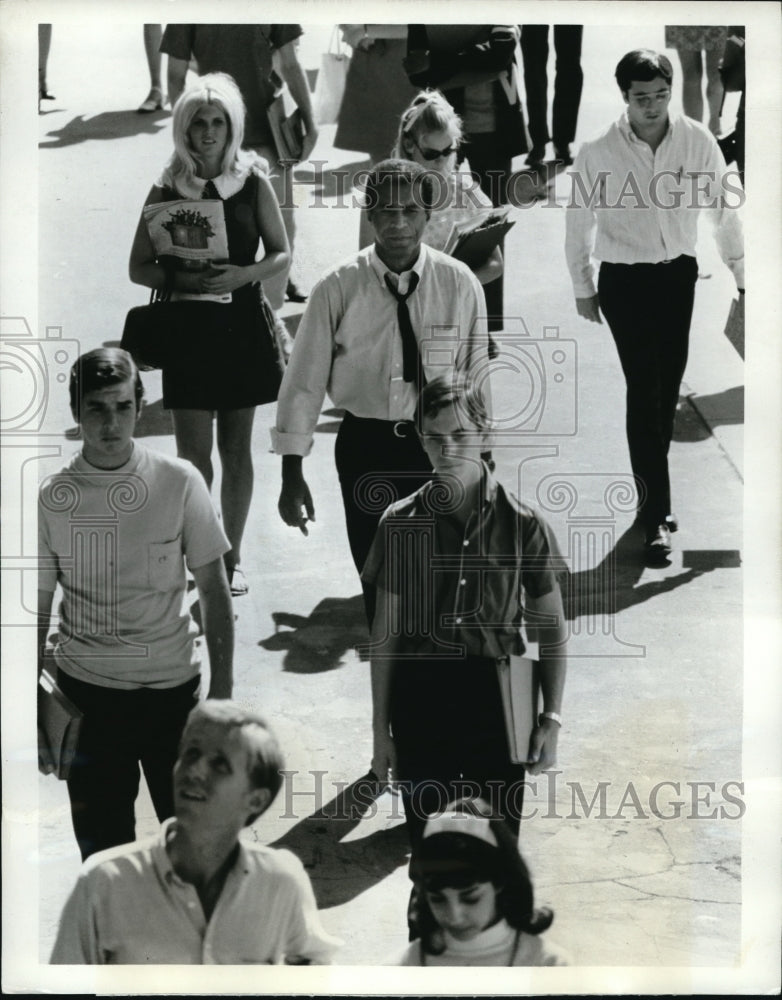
{"points": [[648, 308], [120, 730], [378, 462], [491, 167], [449, 733], [568, 82]]}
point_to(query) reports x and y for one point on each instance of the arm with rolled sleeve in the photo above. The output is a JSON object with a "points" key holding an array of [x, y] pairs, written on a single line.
{"points": [[204, 545], [723, 213], [545, 619]]}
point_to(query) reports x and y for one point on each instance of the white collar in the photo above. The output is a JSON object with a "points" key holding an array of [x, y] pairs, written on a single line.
{"points": [[492, 938], [227, 184], [381, 269]]}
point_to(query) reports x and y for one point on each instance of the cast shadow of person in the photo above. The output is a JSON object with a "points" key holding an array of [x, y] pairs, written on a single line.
{"points": [[611, 586], [108, 125], [319, 642], [341, 870]]}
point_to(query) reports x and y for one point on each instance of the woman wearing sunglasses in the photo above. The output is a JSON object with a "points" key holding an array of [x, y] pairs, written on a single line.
{"points": [[430, 133]]}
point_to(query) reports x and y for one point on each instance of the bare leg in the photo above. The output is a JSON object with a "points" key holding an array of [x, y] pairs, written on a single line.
{"points": [[692, 84], [714, 88], [234, 436], [44, 44], [153, 34], [193, 432]]}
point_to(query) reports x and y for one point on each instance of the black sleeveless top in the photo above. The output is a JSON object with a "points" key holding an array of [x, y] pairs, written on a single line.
{"points": [[222, 356]]}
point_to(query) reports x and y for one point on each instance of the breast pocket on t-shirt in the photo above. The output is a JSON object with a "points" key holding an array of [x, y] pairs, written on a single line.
{"points": [[164, 561]]}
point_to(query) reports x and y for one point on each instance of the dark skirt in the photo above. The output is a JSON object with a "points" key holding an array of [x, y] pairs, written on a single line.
{"points": [[221, 357]]}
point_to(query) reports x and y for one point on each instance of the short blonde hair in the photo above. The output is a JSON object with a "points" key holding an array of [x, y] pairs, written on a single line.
{"points": [[429, 111]]}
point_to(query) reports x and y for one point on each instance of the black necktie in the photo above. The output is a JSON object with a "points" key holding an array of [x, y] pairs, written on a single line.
{"points": [[210, 191], [409, 344]]}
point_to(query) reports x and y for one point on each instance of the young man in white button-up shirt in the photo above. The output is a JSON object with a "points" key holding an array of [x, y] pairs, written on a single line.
{"points": [[637, 191], [349, 344]]}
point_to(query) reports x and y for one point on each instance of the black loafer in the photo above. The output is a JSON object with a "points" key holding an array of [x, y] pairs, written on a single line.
{"points": [[658, 545], [294, 294]]}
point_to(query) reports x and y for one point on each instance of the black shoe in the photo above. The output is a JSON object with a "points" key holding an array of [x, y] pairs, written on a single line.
{"points": [[672, 522], [658, 545], [535, 156], [293, 294], [562, 155]]}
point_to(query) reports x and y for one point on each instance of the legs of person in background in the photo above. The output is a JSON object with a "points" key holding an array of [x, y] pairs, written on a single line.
{"points": [[119, 729], [44, 44], [153, 34], [568, 85], [376, 466], [491, 171], [692, 83], [534, 51], [234, 437], [193, 432], [714, 88], [648, 309]]}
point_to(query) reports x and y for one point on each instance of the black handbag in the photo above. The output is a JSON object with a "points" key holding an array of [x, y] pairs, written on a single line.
{"points": [[146, 332]]}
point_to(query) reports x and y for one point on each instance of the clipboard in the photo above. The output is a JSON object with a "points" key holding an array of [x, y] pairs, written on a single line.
{"points": [[59, 725]]}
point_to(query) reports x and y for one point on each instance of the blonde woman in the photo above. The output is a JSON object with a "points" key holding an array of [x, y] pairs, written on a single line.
{"points": [[220, 359]]}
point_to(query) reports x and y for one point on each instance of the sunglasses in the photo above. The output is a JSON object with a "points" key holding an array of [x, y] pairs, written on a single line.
{"points": [[434, 154]]}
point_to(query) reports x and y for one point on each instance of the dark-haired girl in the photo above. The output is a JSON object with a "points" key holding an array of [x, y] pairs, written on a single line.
{"points": [[474, 896]]}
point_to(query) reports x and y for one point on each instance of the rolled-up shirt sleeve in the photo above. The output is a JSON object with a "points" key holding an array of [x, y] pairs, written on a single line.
{"points": [[724, 214], [308, 373]]}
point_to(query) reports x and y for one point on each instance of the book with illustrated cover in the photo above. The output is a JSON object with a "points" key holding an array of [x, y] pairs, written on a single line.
{"points": [[519, 688], [473, 240], [190, 235], [59, 723]]}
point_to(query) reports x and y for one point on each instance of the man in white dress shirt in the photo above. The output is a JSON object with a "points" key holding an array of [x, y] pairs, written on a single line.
{"points": [[634, 205], [196, 894], [352, 343]]}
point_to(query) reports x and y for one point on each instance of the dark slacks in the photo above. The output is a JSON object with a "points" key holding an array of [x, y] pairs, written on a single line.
{"points": [[491, 167], [568, 82], [120, 730], [378, 462], [449, 733], [648, 308]]}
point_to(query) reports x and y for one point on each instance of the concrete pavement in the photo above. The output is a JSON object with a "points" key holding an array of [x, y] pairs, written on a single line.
{"points": [[655, 682]]}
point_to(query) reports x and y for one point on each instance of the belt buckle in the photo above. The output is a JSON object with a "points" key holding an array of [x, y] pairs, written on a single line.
{"points": [[401, 427]]}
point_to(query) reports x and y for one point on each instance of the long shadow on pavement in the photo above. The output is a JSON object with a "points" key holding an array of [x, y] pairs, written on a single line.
{"points": [[610, 586], [108, 125], [317, 643], [341, 871]]}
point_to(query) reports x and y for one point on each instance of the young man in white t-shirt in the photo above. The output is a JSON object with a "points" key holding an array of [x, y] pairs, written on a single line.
{"points": [[115, 527]]}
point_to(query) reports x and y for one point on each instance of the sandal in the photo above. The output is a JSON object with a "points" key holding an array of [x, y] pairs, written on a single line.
{"points": [[237, 582], [154, 102]]}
